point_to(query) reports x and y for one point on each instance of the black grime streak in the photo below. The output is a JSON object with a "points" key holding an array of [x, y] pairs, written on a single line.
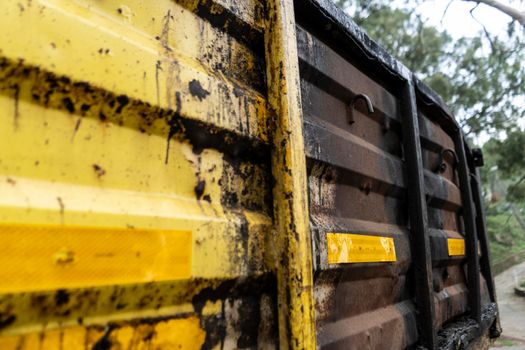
{"points": [[197, 90]]}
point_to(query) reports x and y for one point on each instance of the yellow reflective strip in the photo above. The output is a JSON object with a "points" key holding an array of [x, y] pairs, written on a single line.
{"points": [[456, 246], [50, 257], [353, 248]]}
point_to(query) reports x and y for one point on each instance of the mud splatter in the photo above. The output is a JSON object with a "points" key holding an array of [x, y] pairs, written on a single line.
{"points": [[68, 103], [199, 188], [197, 90], [158, 68], [173, 124], [99, 170], [75, 130], [16, 88], [62, 209]]}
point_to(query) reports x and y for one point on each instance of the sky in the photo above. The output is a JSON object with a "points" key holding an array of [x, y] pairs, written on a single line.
{"points": [[458, 21]]}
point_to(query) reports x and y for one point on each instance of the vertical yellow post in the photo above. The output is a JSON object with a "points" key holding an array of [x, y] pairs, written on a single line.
{"points": [[294, 259]]}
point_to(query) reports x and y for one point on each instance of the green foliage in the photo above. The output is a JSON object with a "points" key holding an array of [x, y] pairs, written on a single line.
{"points": [[403, 34], [505, 234], [486, 83], [516, 192], [502, 341], [508, 156], [480, 77], [511, 154]]}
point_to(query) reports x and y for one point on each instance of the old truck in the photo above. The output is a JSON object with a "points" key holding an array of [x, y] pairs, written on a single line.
{"points": [[229, 174]]}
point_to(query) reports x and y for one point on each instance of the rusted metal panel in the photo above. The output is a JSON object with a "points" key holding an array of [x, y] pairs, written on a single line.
{"points": [[361, 168], [485, 261], [357, 185], [446, 213], [445, 157]]}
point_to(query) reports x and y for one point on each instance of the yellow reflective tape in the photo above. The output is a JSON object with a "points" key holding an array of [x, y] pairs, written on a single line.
{"points": [[456, 246], [353, 248], [50, 257]]}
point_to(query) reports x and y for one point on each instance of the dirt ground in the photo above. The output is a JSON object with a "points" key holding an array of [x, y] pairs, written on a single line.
{"points": [[512, 310]]}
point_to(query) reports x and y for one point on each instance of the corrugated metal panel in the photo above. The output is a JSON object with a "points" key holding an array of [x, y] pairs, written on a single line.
{"points": [[204, 174], [134, 151], [359, 160], [357, 185], [444, 217]]}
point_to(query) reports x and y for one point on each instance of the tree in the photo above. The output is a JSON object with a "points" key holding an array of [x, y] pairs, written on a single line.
{"points": [[510, 11], [504, 172], [479, 78], [510, 160]]}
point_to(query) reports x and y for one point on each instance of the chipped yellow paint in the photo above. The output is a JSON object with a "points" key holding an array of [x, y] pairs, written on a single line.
{"points": [[356, 248], [41, 257], [456, 246], [293, 238], [212, 308], [184, 333], [46, 144], [133, 10], [91, 154], [53, 174], [150, 60]]}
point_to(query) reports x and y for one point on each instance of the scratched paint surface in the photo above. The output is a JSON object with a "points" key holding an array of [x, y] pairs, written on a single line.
{"points": [[135, 176]]}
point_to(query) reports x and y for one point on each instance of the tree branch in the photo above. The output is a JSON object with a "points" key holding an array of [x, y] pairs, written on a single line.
{"points": [[514, 13], [445, 12], [520, 180], [487, 35]]}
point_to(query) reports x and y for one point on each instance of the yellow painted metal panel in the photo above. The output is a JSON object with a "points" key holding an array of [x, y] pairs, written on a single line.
{"points": [[57, 168], [293, 237], [181, 333], [53, 257], [456, 246], [152, 62], [54, 145], [103, 102], [355, 248]]}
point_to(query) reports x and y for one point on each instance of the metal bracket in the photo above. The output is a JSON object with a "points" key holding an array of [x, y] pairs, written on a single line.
{"points": [[350, 107], [477, 157], [442, 166]]}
